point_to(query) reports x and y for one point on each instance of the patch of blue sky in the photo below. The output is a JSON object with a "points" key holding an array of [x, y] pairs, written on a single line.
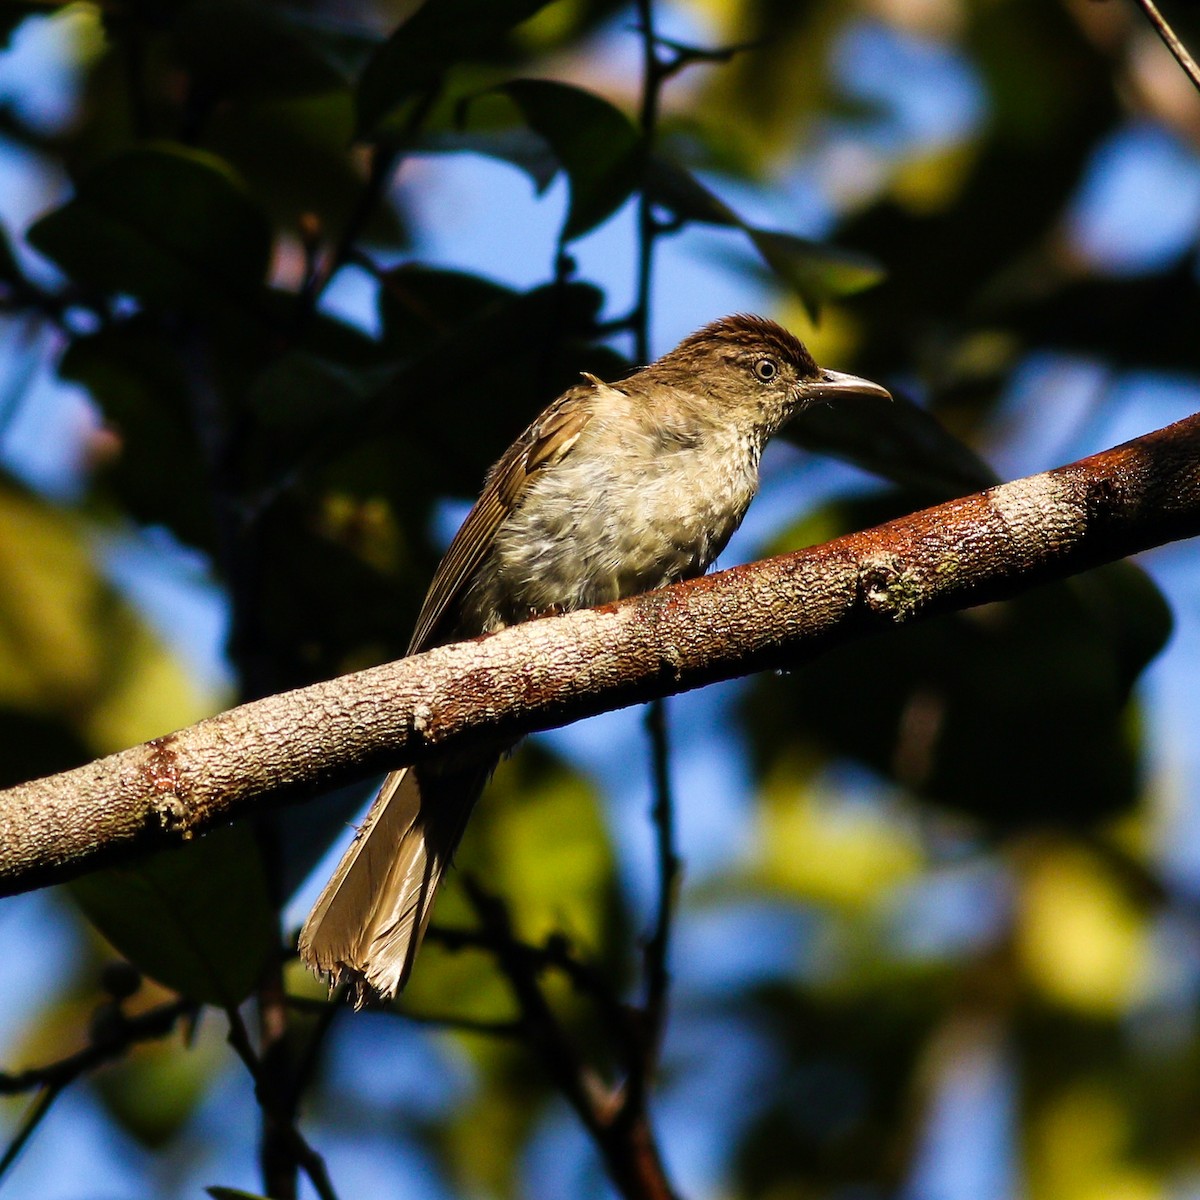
{"points": [[721, 950], [78, 1151], [212, 1147], [717, 1072], [375, 1161], [352, 296], [379, 1061], [561, 1160], [1048, 403], [1058, 407], [173, 588], [478, 214], [924, 93], [945, 913], [1168, 689], [40, 68], [965, 1148], [34, 919], [1138, 206], [49, 421]]}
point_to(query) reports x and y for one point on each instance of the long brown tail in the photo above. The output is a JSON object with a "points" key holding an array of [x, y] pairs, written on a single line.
{"points": [[367, 925]]}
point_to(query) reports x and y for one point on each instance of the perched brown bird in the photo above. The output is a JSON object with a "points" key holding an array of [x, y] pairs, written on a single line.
{"points": [[615, 489]]}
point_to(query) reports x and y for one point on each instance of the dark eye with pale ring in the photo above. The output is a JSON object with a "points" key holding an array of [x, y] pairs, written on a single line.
{"points": [[766, 369]]}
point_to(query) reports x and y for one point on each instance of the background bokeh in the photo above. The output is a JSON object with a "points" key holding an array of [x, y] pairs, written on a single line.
{"points": [[939, 931]]}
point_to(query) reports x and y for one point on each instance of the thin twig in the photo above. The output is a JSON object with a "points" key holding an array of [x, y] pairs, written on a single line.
{"points": [[538, 1022], [556, 954], [652, 79], [37, 1113], [327, 1009], [385, 156], [655, 72], [663, 815], [622, 1134], [151, 1025], [53, 1078], [310, 1162], [1171, 40]]}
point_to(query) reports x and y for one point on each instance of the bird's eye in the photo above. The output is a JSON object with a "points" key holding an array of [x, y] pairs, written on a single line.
{"points": [[766, 369]]}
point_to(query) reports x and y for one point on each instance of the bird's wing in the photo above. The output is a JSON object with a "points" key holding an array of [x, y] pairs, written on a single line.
{"points": [[544, 443]]}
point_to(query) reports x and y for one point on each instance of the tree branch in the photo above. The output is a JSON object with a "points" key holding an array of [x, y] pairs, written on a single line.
{"points": [[979, 548], [1171, 41]]}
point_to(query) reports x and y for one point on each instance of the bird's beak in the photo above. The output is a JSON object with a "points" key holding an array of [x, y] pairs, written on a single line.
{"points": [[833, 385]]}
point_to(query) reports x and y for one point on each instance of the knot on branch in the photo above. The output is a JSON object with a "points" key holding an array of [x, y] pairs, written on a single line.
{"points": [[161, 773], [422, 719], [889, 587]]}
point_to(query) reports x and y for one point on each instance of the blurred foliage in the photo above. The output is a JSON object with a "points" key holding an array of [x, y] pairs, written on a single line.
{"points": [[962, 815]]}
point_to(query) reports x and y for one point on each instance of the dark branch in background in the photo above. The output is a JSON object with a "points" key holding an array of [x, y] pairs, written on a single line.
{"points": [[385, 157], [111, 1039], [620, 1130], [987, 546], [633, 1119], [278, 1109], [654, 1006], [1171, 40], [653, 77]]}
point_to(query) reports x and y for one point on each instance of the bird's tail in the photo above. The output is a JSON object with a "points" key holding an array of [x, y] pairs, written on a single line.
{"points": [[367, 925]]}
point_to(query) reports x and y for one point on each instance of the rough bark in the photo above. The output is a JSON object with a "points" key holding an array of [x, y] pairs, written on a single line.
{"points": [[982, 547]]}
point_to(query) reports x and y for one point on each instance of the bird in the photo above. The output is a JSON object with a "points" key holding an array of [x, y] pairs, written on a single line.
{"points": [[614, 489]]}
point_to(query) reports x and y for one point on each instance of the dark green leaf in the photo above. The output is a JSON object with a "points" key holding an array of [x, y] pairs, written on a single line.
{"points": [[33, 745], [815, 271], [136, 377], [197, 919], [172, 227], [438, 35], [521, 147], [243, 48], [897, 440], [677, 189], [596, 143], [224, 1193]]}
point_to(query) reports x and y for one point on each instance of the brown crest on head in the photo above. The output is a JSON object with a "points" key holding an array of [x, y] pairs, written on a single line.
{"points": [[744, 332]]}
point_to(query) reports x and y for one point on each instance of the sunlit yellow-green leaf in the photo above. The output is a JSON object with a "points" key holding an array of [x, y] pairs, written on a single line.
{"points": [[813, 847], [154, 1090], [1080, 1147], [1082, 941]]}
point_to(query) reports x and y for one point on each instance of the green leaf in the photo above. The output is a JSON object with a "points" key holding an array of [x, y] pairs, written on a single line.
{"points": [[136, 377], [815, 271], [438, 35], [244, 48], [596, 143], [155, 1090], [676, 188], [520, 147], [224, 1193], [173, 227], [198, 918], [895, 439]]}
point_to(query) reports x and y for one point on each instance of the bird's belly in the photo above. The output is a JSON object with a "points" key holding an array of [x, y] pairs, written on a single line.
{"points": [[577, 541]]}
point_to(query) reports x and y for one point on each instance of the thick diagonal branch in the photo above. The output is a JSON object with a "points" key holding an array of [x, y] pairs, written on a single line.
{"points": [[982, 547]]}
